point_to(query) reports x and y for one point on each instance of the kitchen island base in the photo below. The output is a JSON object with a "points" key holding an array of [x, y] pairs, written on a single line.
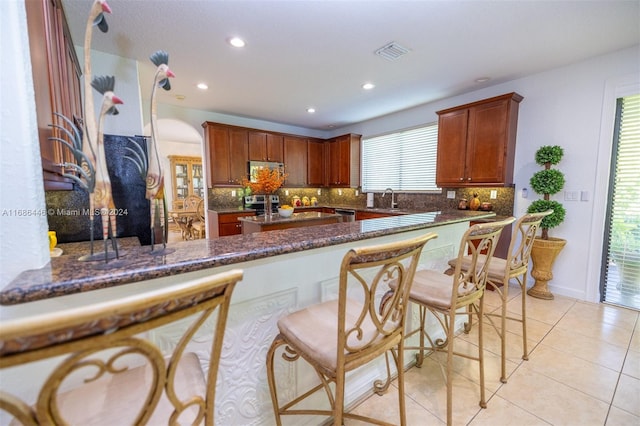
{"points": [[271, 288]]}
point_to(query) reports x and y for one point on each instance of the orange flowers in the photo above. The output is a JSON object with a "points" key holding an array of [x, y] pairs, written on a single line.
{"points": [[266, 181]]}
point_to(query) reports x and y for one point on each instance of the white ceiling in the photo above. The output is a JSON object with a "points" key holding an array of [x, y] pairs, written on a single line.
{"points": [[318, 53]]}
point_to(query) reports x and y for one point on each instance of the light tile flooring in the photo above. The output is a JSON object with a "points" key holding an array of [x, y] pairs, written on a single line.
{"points": [[583, 369]]}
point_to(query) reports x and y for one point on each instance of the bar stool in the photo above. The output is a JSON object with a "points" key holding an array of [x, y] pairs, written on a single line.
{"points": [[443, 295], [125, 376], [341, 335], [501, 271]]}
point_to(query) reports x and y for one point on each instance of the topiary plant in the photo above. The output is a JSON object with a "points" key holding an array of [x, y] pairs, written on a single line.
{"points": [[548, 182]]}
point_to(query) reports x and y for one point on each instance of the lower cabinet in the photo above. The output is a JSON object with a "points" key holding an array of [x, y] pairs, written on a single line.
{"points": [[224, 224], [360, 215], [502, 249]]}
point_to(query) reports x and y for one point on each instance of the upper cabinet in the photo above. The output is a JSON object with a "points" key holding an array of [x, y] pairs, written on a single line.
{"points": [[265, 146], [56, 82], [295, 160], [227, 152], [343, 161], [476, 143], [315, 162], [307, 161]]}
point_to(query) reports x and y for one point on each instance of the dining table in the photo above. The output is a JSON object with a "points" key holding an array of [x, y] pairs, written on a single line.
{"points": [[184, 218]]}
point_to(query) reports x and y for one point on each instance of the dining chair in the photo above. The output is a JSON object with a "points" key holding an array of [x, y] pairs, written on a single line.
{"points": [[198, 225], [338, 336], [501, 271], [113, 363], [445, 295], [191, 202]]}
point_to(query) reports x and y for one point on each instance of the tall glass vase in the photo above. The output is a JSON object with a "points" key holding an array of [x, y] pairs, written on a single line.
{"points": [[267, 207]]}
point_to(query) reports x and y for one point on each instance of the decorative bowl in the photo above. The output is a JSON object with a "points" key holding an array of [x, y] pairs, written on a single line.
{"points": [[285, 212]]}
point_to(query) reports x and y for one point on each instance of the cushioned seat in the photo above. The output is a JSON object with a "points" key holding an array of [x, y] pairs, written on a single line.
{"points": [[114, 362], [501, 271], [443, 295], [338, 336]]}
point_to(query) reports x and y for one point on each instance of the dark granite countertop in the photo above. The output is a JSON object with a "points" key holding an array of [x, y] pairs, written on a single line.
{"points": [[66, 275], [296, 217]]}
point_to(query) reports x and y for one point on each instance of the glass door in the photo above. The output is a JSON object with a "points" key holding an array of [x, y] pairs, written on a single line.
{"points": [[197, 182], [181, 182], [620, 277]]}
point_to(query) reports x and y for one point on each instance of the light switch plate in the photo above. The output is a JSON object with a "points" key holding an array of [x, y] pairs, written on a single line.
{"points": [[571, 195], [451, 194], [233, 192], [584, 195], [494, 194]]}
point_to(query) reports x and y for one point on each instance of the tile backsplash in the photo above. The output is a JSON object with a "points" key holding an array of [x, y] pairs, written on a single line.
{"points": [[502, 204]]}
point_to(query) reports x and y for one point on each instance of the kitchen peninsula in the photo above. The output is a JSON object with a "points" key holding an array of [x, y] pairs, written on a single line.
{"points": [[284, 270], [297, 220]]}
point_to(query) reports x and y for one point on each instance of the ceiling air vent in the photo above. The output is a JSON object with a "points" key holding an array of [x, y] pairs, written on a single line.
{"points": [[391, 51]]}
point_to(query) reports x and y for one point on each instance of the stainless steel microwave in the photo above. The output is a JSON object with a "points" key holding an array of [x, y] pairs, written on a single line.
{"points": [[254, 166]]}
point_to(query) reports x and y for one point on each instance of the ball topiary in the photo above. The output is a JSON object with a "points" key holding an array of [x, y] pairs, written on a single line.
{"points": [[548, 182]]}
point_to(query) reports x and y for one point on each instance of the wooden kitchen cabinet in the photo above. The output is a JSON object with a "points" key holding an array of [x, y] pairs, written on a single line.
{"points": [[476, 143], [224, 224], [186, 179], [315, 162], [56, 76], [265, 146], [226, 148], [295, 161], [343, 161], [361, 215]]}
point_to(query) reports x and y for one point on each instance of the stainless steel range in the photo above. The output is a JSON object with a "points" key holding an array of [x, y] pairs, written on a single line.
{"points": [[257, 202]]}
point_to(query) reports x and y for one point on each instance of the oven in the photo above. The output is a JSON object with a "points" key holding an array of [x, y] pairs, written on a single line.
{"points": [[257, 202], [348, 215]]}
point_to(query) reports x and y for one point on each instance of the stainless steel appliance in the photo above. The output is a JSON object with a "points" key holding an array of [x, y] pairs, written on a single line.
{"points": [[257, 202], [347, 215], [254, 166]]}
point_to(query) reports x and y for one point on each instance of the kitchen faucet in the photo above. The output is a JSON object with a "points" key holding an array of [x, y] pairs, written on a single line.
{"points": [[394, 205]]}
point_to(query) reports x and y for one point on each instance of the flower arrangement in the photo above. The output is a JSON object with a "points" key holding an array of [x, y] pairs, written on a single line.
{"points": [[267, 181]]}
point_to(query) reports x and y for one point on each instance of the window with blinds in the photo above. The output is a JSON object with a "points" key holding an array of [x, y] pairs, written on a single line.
{"points": [[404, 161], [621, 266]]}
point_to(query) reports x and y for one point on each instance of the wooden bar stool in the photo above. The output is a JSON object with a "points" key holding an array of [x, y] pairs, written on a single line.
{"points": [[106, 368], [341, 335], [501, 271], [444, 295]]}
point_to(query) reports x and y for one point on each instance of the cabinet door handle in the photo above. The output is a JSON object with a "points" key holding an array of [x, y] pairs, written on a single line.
{"points": [[469, 179], [461, 179]]}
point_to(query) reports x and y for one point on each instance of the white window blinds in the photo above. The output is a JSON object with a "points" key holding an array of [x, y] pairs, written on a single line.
{"points": [[622, 266], [403, 161]]}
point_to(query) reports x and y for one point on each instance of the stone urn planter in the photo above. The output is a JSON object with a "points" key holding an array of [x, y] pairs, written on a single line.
{"points": [[545, 249], [543, 255]]}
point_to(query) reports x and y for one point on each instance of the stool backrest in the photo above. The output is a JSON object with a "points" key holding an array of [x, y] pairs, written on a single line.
{"points": [[108, 340], [363, 329], [479, 242], [522, 241]]}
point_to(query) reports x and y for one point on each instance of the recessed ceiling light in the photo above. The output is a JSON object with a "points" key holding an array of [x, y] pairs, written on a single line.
{"points": [[202, 86], [311, 110], [180, 97], [482, 79], [368, 86], [237, 42]]}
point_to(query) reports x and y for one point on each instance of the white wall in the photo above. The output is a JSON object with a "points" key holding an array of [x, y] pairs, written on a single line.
{"points": [[564, 106], [23, 222], [127, 88]]}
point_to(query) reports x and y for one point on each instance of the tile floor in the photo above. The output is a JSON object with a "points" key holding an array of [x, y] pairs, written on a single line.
{"points": [[583, 369]]}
